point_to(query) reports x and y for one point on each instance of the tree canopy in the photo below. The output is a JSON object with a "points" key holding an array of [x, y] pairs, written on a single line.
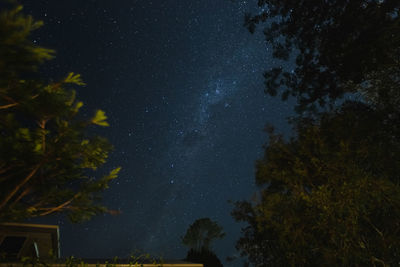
{"points": [[47, 156], [201, 233], [199, 237], [329, 196], [333, 43]]}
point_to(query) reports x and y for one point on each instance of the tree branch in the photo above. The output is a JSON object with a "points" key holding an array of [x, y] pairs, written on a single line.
{"points": [[8, 106], [18, 186], [13, 102], [6, 169], [374, 227], [59, 207], [4, 176], [9, 99], [24, 193]]}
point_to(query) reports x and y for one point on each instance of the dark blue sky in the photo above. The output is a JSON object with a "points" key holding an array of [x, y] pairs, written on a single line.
{"points": [[182, 85]]}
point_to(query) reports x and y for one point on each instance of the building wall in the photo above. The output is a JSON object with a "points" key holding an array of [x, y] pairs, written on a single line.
{"points": [[41, 238]]}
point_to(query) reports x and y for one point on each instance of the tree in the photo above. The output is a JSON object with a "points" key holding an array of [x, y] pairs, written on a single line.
{"points": [[47, 156], [201, 233], [199, 237], [204, 256], [333, 42], [328, 196]]}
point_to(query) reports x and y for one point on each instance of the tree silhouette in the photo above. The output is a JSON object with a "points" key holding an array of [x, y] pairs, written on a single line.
{"points": [[329, 195], [204, 256], [198, 238], [201, 233], [333, 42]]}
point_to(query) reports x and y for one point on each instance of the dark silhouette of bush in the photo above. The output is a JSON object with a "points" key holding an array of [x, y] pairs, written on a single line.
{"points": [[204, 256]]}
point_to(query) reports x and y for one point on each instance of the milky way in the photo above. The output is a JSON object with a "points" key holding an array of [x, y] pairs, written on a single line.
{"points": [[182, 85]]}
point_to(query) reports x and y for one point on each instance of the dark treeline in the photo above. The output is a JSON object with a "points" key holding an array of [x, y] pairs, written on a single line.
{"points": [[330, 195]]}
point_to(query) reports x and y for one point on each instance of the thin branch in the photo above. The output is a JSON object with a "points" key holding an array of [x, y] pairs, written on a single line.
{"points": [[9, 99], [6, 169], [374, 227], [42, 125], [38, 204], [18, 186], [24, 193], [59, 207], [4, 177], [375, 259], [8, 106], [13, 102]]}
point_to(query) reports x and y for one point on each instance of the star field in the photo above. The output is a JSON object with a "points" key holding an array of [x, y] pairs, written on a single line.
{"points": [[181, 83]]}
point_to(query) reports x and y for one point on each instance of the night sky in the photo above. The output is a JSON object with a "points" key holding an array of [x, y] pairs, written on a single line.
{"points": [[181, 83]]}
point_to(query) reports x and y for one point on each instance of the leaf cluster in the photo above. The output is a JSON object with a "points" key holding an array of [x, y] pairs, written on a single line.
{"points": [[46, 152], [18, 54]]}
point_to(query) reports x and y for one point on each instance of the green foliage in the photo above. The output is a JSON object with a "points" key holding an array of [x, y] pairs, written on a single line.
{"points": [[18, 54], [201, 233], [133, 261], [100, 118], [329, 196], [138, 259], [46, 152], [74, 79], [333, 42]]}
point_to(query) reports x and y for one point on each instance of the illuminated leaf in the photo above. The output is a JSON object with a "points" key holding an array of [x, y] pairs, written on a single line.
{"points": [[74, 78], [38, 147], [24, 133], [77, 106], [100, 118], [31, 209], [114, 173]]}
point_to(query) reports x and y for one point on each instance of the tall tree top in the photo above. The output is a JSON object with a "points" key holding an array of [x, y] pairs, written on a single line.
{"points": [[333, 41], [201, 233]]}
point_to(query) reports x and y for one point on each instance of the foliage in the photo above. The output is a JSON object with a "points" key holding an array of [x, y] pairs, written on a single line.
{"points": [[204, 256], [333, 42], [201, 233], [381, 90], [46, 153], [18, 54], [133, 261], [329, 196]]}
